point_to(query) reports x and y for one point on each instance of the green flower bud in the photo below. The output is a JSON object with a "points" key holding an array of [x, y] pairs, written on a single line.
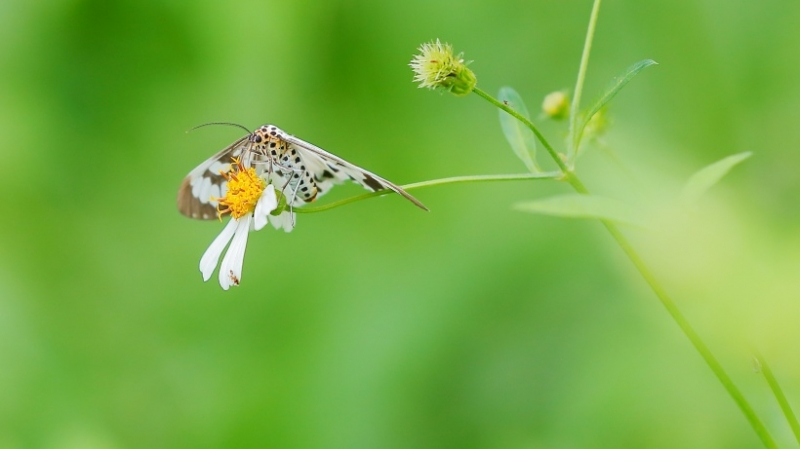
{"points": [[437, 66], [556, 105]]}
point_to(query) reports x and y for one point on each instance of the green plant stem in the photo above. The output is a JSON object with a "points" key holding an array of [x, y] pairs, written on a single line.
{"points": [[558, 158], [435, 182], [779, 396], [693, 337], [574, 111], [651, 280], [527, 122]]}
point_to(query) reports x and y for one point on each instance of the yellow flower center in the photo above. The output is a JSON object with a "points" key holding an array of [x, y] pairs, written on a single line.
{"points": [[244, 190]]}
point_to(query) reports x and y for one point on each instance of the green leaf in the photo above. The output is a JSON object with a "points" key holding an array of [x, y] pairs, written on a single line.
{"points": [[574, 205], [518, 135], [617, 85], [700, 182]]}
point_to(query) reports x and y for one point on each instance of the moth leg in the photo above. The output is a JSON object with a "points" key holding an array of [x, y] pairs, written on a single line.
{"points": [[295, 171], [281, 169], [290, 173], [270, 168], [260, 171]]}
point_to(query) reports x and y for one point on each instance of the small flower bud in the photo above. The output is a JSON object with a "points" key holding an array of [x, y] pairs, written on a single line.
{"points": [[556, 105], [437, 66]]}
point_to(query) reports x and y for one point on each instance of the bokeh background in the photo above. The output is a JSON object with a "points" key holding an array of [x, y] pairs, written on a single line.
{"points": [[377, 325]]}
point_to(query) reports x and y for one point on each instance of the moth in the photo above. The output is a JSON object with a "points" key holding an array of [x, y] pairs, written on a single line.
{"points": [[302, 170]]}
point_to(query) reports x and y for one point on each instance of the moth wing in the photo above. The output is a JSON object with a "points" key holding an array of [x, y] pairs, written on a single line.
{"points": [[329, 169], [206, 181]]}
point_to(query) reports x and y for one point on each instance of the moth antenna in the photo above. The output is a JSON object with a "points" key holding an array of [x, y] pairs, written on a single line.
{"points": [[220, 123]]}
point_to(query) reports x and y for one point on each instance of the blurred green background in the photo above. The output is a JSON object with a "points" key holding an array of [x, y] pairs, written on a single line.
{"points": [[377, 325]]}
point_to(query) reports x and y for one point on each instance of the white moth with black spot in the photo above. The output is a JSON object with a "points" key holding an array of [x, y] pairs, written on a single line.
{"points": [[304, 172]]}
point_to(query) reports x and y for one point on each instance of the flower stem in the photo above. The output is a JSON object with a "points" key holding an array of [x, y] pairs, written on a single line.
{"points": [[574, 110], [556, 157], [779, 396], [693, 337], [435, 182], [651, 280]]}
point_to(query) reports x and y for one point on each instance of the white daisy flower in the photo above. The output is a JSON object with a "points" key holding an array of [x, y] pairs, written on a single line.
{"points": [[249, 201]]}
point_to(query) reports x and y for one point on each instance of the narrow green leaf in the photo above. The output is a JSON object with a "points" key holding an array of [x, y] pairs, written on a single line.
{"points": [[617, 85], [779, 395], [700, 182], [582, 206], [518, 135]]}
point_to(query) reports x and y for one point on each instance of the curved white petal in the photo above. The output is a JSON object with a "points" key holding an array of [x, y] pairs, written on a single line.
{"points": [[266, 204], [209, 260], [285, 220], [230, 270]]}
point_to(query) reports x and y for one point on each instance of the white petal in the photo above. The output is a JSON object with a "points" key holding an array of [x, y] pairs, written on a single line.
{"points": [[266, 204], [230, 270], [285, 220], [209, 260], [259, 220]]}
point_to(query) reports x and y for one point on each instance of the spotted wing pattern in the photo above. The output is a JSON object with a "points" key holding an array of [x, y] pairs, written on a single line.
{"points": [[327, 169], [206, 182], [302, 170]]}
